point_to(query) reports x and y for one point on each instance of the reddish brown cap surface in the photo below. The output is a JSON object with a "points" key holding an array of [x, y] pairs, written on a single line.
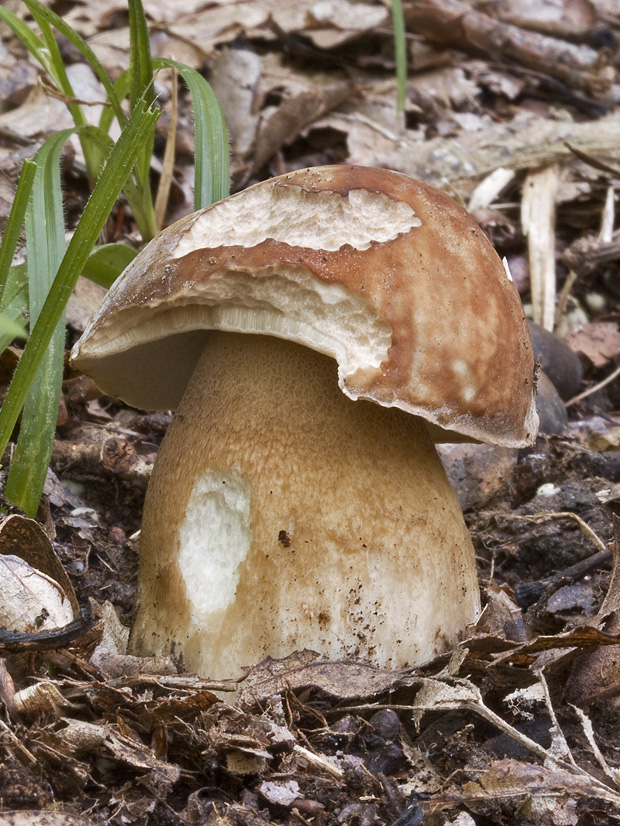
{"points": [[388, 276]]}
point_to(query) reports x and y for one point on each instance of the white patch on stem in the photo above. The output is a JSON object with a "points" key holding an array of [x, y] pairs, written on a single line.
{"points": [[214, 539]]}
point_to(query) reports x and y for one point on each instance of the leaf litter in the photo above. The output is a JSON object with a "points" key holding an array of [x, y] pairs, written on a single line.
{"points": [[520, 723]]}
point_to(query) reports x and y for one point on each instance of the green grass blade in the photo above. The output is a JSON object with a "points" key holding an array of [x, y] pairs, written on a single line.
{"points": [[141, 88], [14, 303], [30, 39], [35, 7], [121, 90], [139, 200], [117, 169], [140, 63], [142, 211], [212, 178], [400, 54], [107, 262], [15, 223], [45, 242], [11, 328], [16, 288], [58, 71]]}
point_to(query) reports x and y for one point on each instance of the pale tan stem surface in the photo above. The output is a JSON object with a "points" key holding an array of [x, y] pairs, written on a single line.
{"points": [[318, 522]]}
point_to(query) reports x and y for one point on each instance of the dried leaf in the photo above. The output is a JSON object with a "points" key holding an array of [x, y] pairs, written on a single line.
{"points": [[43, 696], [598, 341], [510, 778], [26, 539], [82, 738], [304, 98], [282, 794], [461, 162], [345, 680], [547, 15], [30, 601]]}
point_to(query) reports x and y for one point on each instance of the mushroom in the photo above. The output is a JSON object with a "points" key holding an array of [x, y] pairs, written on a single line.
{"points": [[315, 333]]}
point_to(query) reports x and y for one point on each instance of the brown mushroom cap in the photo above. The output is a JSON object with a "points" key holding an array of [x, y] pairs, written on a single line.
{"points": [[385, 274]]}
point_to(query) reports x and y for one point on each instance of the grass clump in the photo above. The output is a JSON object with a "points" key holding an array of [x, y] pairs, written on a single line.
{"points": [[33, 296]]}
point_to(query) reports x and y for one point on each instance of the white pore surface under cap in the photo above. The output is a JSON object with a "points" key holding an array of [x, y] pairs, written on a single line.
{"points": [[285, 301], [292, 215], [214, 540]]}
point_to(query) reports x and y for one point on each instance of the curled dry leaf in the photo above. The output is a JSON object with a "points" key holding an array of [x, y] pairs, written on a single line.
{"points": [[83, 738], [40, 697], [246, 83], [193, 35], [31, 601], [26, 539]]}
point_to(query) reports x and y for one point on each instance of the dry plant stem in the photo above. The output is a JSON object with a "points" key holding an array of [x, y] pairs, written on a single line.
{"points": [[595, 162], [588, 730], [457, 23], [182, 682], [596, 673], [487, 190], [563, 297], [312, 522], [570, 766], [608, 217], [538, 222], [558, 740], [595, 388], [165, 180], [522, 146], [93, 450], [586, 254], [18, 745], [476, 705], [7, 689], [543, 517], [528, 593], [318, 760], [608, 616]]}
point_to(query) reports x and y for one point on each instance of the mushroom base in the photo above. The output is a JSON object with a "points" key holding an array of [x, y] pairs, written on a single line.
{"points": [[281, 515]]}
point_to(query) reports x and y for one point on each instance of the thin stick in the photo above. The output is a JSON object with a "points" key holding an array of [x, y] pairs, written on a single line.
{"points": [[594, 388], [563, 297], [19, 745], [167, 170], [318, 760]]}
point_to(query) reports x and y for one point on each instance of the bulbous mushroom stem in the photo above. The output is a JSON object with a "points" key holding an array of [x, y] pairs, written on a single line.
{"points": [[281, 515]]}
